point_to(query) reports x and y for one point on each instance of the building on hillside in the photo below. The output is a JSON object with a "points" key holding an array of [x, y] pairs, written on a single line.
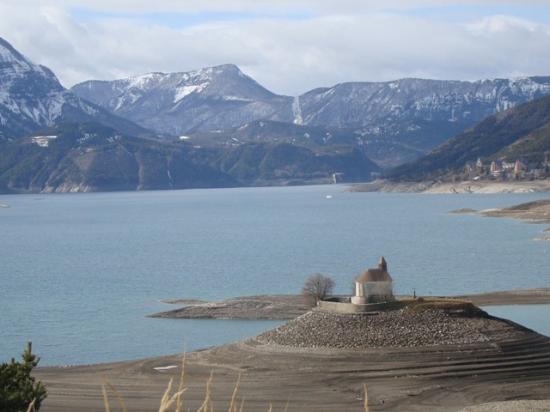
{"points": [[508, 167], [479, 164], [374, 285], [519, 169], [496, 168]]}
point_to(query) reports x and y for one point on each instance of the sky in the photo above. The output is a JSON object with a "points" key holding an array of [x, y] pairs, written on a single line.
{"points": [[289, 46]]}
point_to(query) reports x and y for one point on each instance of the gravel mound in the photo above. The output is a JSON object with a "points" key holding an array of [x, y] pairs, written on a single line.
{"points": [[400, 328]]}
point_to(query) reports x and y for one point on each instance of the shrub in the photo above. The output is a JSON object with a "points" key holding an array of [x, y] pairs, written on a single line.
{"points": [[316, 288], [18, 388]]}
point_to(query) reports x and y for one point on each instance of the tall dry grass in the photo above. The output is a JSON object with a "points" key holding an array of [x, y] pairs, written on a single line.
{"points": [[175, 401]]}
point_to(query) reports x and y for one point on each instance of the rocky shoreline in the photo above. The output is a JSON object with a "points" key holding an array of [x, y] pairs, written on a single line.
{"points": [[535, 212], [286, 307], [265, 307], [434, 187], [531, 212]]}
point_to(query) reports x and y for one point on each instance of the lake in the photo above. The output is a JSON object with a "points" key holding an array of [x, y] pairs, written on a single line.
{"points": [[80, 272]]}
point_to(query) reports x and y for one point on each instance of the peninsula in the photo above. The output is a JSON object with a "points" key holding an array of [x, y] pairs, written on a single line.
{"points": [[532, 212], [286, 307], [421, 357], [413, 353]]}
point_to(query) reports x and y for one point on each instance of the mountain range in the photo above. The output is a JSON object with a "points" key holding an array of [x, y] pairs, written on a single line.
{"points": [[52, 140], [395, 121], [217, 127]]}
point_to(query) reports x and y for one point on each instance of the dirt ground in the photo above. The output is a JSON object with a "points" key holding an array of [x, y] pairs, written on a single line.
{"points": [[513, 364]]}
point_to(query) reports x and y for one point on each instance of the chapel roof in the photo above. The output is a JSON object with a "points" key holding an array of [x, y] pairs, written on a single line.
{"points": [[374, 275], [379, 274]]}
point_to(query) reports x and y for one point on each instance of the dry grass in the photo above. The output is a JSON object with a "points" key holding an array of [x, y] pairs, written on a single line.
{"points": [[174, 402]]}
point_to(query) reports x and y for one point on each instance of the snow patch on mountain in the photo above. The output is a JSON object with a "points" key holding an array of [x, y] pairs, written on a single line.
{"points": [[297, 110], [143, 81], [184, 91], [31, 98]]}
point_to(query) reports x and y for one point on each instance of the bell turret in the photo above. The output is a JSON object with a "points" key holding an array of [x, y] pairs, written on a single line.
{"points": [[382, 265]]}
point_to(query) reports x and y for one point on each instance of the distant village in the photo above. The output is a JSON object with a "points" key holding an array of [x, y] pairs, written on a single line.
{"points": [[502, 170]]}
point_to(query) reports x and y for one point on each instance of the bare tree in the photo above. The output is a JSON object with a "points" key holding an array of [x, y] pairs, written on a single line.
{"points": [[317, 287]]}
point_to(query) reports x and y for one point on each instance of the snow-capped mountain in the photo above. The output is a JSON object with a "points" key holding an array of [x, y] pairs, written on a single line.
{"points": [[364, 104], [396, 121], [211, 98], [31, 97], [423, 112]]}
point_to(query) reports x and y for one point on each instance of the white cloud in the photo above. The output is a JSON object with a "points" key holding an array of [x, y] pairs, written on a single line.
{"points": [[286, 55]]}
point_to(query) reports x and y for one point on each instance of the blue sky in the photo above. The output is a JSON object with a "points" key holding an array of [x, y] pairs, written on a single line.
{"points": [[184, 19], [449, 12]]}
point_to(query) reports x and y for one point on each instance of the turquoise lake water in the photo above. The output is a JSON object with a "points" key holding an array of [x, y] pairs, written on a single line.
{"points": [[80, 272]]}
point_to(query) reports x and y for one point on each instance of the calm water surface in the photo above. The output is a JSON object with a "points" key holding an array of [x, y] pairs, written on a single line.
{"points": [[80, 272], [536, 317]]}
